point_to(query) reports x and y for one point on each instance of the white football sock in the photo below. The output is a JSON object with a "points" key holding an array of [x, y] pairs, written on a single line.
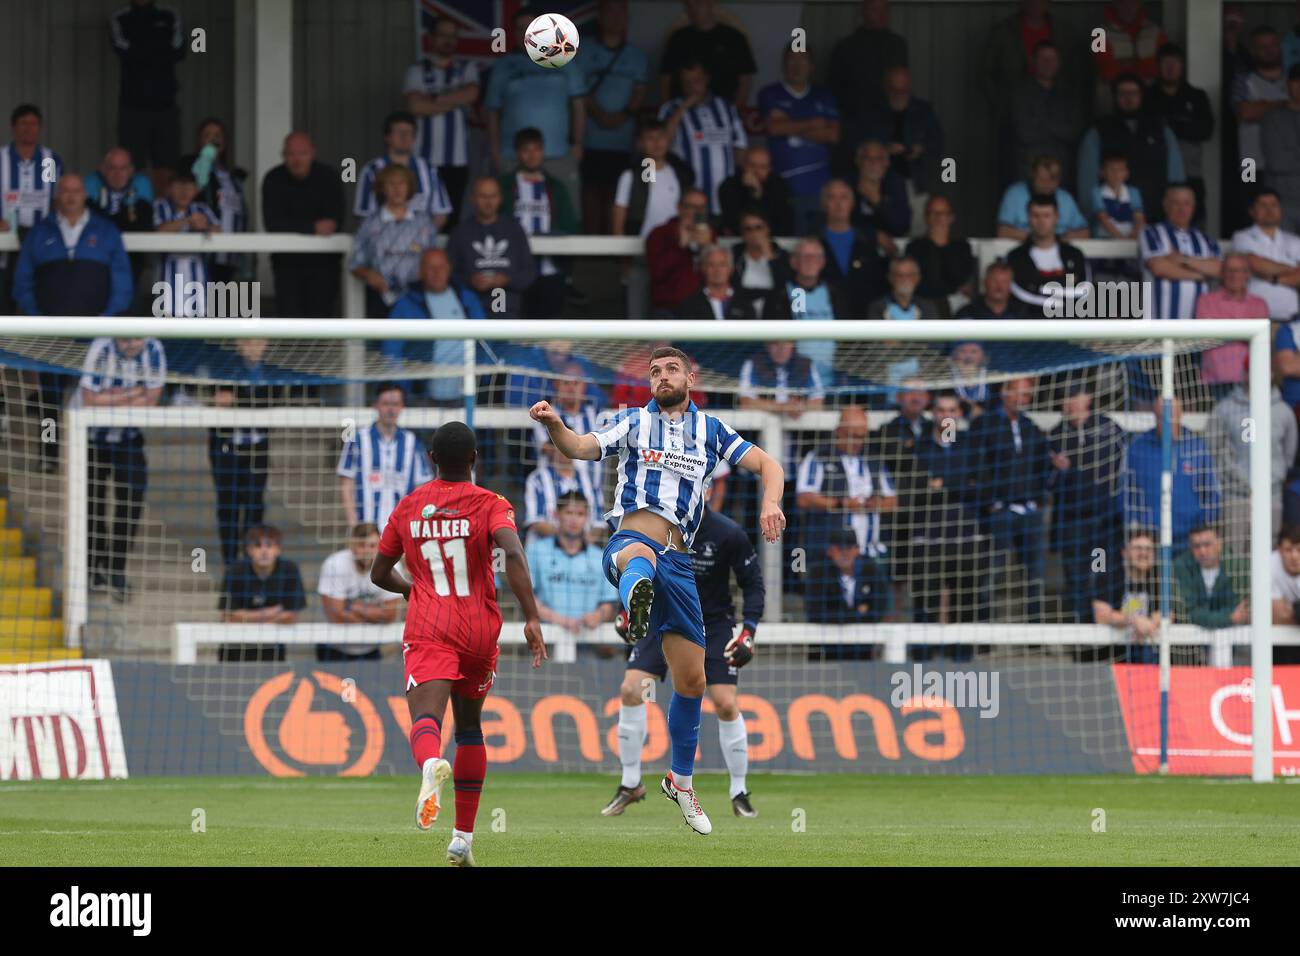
{"points": [[683, 781], [735, 751], [467, 837], [631, 738]]}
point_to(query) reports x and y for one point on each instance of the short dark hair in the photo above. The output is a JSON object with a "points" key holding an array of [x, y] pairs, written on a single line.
{"points": [[842, 537], [1263, 30], [1171, 49], [25, 109], [1042, 199], [1126, 77], [692, 61], [1141, 531], [572, 497], [1200, 528], [262, 532], [398, 116], [651, 124], [184, 176], [388, 387], [363, 530], [453, 445], [1265, 191], [529, 134], [665, 351], [1113, 156], [1289, 533]]}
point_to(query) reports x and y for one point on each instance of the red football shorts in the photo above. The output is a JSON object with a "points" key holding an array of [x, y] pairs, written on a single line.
{"points": [[471, 675]]}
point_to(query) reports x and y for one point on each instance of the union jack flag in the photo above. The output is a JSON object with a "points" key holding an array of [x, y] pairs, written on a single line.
{"points": [[478, 18]]}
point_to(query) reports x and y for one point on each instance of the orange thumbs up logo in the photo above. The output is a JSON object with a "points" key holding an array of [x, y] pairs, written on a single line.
{"points": [[313, 736]]}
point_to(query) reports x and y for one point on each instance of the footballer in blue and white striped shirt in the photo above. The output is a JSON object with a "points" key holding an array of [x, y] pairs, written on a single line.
{"points": [[382, 464], [666, 454], [705, 130]]}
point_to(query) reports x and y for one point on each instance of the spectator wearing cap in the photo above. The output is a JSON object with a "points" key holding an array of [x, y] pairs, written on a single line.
{"points": [[1280, 138], [263, 587], [847, 587]]}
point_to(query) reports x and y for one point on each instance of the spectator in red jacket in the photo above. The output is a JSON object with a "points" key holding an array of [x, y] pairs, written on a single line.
{"points": [[671, 250]]}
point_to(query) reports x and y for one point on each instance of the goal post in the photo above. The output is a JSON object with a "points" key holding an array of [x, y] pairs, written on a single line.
{"points": [[1121, 340]]}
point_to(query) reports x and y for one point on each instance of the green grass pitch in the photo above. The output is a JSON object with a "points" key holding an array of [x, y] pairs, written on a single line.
{"points": [[553, 820]]}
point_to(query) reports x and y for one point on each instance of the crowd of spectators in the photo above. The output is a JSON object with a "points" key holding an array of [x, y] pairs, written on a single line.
{"points": [[709, 172]]}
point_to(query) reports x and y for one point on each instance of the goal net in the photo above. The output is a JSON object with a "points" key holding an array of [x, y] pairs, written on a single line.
{"points": [[1009, 548]]}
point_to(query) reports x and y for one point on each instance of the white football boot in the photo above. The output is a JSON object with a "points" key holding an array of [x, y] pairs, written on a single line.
{"points": [[460, 852], [686, 802], [436, 772]]}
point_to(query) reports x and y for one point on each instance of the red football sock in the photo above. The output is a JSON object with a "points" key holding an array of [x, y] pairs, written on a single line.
{"points": [[426, 738], [468, 771]]}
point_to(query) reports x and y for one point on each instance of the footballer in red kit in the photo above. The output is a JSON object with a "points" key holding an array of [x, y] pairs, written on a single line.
{"points": [[448, 529]]}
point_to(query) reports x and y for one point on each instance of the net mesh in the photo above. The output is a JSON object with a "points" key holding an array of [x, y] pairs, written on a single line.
{"points": [[987, 512]]}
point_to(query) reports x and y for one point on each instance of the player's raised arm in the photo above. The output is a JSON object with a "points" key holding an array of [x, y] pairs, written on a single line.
{"points": [[570, 443], [507, 539], [771, 519]]}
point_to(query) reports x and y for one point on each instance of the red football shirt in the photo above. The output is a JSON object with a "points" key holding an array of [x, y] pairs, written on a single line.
{"points": [[444, 529]]}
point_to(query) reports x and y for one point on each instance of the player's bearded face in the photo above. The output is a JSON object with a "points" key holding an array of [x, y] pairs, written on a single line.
{"points": [[670, 386]]}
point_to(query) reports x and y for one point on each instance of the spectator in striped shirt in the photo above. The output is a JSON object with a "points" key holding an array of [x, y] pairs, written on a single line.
{"points": [[25, 189], [439, 92], [555, 476], [121, 373], [705, 130], [181, 212], [1177, 258], [381, 464], [543, 207], [429, 196], [575, 404], [387, 249], [837, 487], [221, 189]]}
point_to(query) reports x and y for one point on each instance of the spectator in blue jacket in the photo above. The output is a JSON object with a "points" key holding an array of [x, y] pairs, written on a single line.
{"points": [[1196, 496], [1015, 467], [73, 263], [437, 297]]}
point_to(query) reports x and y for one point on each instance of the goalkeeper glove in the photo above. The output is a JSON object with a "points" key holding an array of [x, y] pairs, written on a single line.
{"points": [[740, 649]]}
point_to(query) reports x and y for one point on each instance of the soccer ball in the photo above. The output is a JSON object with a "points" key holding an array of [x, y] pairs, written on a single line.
{"points": [[551, 40]]}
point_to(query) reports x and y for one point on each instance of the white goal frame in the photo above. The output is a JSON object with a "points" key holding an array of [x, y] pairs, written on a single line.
{"points": [[1255, 332]]}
